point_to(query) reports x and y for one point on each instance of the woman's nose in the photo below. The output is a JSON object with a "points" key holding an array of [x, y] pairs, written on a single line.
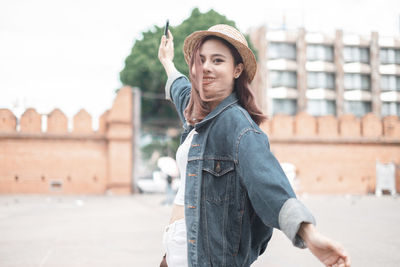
{"points": [[206, 65]]}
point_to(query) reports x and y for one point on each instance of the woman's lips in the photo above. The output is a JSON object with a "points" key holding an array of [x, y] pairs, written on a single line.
{"points": [[208, 80]]}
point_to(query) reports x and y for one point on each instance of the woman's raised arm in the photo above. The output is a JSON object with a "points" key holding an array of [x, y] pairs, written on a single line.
{"points": [[178, 86], [166, 53]]}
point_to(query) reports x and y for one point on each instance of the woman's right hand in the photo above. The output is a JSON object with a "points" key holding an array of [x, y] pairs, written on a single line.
{"points": [[166, 49], [329, 252]]}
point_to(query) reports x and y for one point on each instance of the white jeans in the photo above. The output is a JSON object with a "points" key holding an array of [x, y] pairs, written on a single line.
{"points": [[175, 244]]}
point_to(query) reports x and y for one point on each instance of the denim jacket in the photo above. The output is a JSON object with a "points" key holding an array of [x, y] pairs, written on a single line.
{"points": [[236, 191]]}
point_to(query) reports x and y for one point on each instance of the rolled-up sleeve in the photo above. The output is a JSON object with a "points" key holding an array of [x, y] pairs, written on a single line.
{"points": [[292, 214], [177, 89], [171, 78], [268, 188]]}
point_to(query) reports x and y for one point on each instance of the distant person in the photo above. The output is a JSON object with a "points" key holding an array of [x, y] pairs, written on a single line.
{"points": [[169, 192], [169, 170], [233, 191]]}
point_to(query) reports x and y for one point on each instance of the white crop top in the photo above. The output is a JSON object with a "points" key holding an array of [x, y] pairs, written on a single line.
{"points": [[181, 160]]}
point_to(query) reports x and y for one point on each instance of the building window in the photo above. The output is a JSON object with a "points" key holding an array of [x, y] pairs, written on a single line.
{"points": [[358, 108], [320, 52], [321, 107], [320, 80], [356, 81], [356, 54], [390, 82], [389, 56], [284, 106], [282, 50], [283, 79], [390, 108]]}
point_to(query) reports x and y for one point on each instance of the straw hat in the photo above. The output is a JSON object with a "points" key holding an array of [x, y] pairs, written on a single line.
{"points": [[232, 36]]}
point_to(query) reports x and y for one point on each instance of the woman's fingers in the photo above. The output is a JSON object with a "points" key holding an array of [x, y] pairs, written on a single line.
{"points": [[347, 260], [343, 262], [161, 48], [170, 40], [344, 259], [170, 35], [167, 41], [162, 42], [340, 263], [166, 48]]}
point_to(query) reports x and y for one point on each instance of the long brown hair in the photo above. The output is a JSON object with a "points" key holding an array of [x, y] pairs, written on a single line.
{"points": [[197, 108]]}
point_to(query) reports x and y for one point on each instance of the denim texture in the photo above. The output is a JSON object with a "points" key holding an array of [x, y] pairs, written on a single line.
{"points": [[236, 191]]}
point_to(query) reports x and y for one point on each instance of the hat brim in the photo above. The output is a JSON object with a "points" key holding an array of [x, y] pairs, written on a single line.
{"points": [[249, 60]]}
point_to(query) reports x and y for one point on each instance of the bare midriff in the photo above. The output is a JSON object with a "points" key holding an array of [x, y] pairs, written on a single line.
{"points": [[178, 212]]}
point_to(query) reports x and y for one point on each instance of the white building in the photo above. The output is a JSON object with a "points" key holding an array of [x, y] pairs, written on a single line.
{"points": [[323, 74]]}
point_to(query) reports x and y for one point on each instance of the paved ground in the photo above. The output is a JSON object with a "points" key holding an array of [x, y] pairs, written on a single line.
{"points": [[126, 231]]}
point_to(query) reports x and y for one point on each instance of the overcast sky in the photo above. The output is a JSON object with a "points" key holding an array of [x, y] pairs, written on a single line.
{"points": [[68, 54]]}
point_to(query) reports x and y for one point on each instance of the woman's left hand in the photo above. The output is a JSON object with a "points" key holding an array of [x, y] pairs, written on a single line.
{"points": [[329, 252], [166, 48]]}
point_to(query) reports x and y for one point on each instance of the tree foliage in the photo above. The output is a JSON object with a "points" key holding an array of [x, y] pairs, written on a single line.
{"points": [[142, 68]]}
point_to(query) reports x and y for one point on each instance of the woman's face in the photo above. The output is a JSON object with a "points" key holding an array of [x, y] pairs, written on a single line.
{"points": [[219, 70]]}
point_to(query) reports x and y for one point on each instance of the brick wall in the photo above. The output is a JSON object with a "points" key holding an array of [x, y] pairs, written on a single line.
{"points": [[331, 154], [335, 155], [81, 161]]}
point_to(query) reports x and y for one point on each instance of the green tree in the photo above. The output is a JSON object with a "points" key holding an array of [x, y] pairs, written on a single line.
{"points": [[142, 68]]}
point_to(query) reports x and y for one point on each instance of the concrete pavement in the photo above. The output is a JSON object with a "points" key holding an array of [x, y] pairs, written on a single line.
{"points": [[47, 231]]}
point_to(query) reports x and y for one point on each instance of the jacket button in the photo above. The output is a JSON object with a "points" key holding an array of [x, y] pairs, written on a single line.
{"points": [[218, 167]]}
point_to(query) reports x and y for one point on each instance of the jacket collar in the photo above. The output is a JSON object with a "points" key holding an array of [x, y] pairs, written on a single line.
{"points": [[228, 101]]}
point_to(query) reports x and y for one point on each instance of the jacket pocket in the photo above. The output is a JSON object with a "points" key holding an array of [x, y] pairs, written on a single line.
{"points": [[218, 180]]}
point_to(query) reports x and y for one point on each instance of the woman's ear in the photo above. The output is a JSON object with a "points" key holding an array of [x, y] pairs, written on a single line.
{"points": [[238, 70]]}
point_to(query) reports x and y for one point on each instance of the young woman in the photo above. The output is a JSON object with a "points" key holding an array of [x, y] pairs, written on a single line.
{"points": [[233, 190]]}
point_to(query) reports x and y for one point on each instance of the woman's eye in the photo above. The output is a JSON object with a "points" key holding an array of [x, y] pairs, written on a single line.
{"points": [[218, 60]]}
